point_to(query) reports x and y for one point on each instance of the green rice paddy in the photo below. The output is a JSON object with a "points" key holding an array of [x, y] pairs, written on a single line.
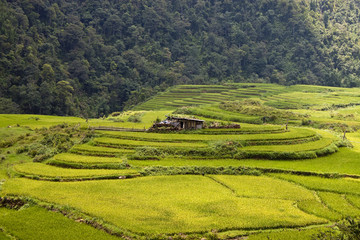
{"points": [[319, 209], [354, 200], [338, 203], [343, 162], [123, 143], [99, 151], [43, 170], [309, 146], [264, 187], [35, 223], [291, 199], [69, 157], [336, 185], [173, 204], [295, 133]]}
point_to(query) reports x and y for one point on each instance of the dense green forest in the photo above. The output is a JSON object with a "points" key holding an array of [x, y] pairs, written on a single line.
{"points": [[89, 58]]}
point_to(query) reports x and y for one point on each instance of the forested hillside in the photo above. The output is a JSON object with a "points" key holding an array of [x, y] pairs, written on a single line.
{"points": [[89, 58]]}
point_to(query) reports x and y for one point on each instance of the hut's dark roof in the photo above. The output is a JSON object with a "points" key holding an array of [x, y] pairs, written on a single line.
{"points": [[187, 119]]}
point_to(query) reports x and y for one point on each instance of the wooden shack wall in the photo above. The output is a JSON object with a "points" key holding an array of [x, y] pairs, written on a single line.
{"points": [[188, 124]]}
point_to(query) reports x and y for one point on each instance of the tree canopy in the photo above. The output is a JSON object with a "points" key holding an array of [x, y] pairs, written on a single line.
{"points": [[90, 58]]}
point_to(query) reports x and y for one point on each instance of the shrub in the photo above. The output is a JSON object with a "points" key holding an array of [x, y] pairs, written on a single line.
{"points": [[276, 155], [22, 149], [227, 147], [115, 114], [147, 153], [12, 203], [41, 158], [115, 119], [74, 165], [199, 170], [136, 118], [88, 136], [10, 142], [346, 229], [327, 150], [306, 122]]}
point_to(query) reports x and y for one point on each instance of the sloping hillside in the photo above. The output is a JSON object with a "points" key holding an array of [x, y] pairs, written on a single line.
{"points": [[92, 58]]}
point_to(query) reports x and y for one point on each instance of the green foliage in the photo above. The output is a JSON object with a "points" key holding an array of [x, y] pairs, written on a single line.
{"points": [[226, 148], [78, 165], [56, 139], [287, 234], [4, 236], [74, 58], [346, 229], [147, 153], [254, 107], [198, 170], [8, 106], [275, 155], [135, 118], [11, 203]]}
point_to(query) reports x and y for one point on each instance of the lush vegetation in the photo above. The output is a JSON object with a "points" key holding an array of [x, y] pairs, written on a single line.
{"points": [[90, 59], [294, 173]]}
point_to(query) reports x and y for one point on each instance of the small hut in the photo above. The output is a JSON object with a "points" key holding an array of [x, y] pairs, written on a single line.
{"points": [[179, 123], [188, 123]]}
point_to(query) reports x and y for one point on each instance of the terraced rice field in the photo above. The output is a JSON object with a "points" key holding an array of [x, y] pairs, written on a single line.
{"points": [[47, 171], [294, 134], [259, 181], [37, 223], [204, 94], [130, 144], [69, 157], [171, 207], [87, 149], [284, 203]]}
